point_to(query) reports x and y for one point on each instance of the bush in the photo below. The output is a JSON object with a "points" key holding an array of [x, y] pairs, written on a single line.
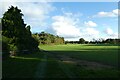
{"points": [[5, 49], [13, 50]]}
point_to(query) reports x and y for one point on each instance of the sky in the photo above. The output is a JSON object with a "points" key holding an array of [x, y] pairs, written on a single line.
{"points": [[71, 20]]}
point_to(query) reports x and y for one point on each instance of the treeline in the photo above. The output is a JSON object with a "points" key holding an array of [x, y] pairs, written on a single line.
{"points": [[99, 41], [16, 35], [47, 38], [107, 41]]}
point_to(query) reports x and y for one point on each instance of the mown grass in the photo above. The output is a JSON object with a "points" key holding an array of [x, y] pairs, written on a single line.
{"points": [[81, 72], [77, 47], [59, 69], [23, 66], [106, 54], [53, 69]]}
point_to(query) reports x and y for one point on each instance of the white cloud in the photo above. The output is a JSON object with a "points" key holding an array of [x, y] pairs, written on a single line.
{"points": [[91, 32], [106, 14], [72, 39], [109, 31], [116, 11], [66, 25], [113, 13], [114, 34], [35, 14], [90, 24]]}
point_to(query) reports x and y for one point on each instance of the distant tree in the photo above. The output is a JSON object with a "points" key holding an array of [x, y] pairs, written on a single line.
{"points": [[108, 41], [86, 42], [81, 41], [36, 37], [46, 38]]}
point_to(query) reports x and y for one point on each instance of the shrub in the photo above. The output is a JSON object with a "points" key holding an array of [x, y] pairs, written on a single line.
{"points": [[5, 49]]}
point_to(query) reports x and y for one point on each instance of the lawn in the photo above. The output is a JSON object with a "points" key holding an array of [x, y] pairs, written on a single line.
{"points": [[107, 54], [64, 61], [21, 66], [104, 54]]}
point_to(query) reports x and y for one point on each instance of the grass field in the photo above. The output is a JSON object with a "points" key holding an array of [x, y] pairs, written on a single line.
{"points": [[65, 61], [106, 54], [21, 67]]}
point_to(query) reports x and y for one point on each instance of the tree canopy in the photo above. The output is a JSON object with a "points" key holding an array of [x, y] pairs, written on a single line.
{"points": [[47, 38], [16, 32], [81, 41]]}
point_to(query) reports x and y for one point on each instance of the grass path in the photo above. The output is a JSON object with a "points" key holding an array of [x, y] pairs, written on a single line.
{"points": [[23, 66], [66, 70], [70, 71], [41, 68]]}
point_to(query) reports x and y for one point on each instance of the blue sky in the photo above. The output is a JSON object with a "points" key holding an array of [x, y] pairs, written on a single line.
{"points": [[71, 20]]}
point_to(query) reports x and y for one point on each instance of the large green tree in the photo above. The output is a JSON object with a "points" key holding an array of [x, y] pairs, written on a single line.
{"points": [[14, 28], [12, 23]]}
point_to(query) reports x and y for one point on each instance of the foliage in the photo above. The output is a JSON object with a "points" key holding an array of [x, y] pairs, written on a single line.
{"points": [[5, 47], [95, 41], [13, 47], [81, 40], [15, 32], [46, 38], [107, 41]]}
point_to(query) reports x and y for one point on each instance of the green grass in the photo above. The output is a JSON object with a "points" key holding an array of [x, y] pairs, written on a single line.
{"points": [[81, 72], [56, 69], [26, 66], [77, 47], [53, 69], [105, 54], [21, 66]]}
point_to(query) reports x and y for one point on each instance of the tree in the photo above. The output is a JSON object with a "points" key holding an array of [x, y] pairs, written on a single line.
{"points": [[12, 23], [28, 30], [46, 38], [14, 28], [5, 47], [0, 25], [81, 41]]}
